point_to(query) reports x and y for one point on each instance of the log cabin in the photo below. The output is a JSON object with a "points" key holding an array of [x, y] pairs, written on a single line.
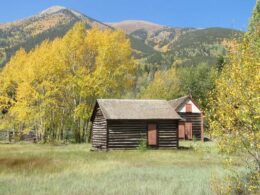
{"points": [[191, 125], [124, 123]]}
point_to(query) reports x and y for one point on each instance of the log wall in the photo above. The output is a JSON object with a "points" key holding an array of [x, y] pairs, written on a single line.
{"points": [[99, 130], [195, 119], [127, 134], [168, 134]]}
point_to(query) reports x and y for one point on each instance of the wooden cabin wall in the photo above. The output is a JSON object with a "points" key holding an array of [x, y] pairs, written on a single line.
{"points": [[127, 134], [168, 137], [195, 119], [99, 131]]}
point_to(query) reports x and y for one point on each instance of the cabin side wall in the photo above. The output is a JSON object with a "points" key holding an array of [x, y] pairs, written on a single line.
{"points": [[168, 134], [127, 134], [99, 130], [123, 134], [195, 119]]}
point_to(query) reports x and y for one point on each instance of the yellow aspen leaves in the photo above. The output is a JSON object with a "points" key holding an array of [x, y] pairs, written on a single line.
{"points": [[52, 89]]}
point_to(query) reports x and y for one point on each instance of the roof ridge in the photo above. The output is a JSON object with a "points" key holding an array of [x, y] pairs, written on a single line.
{"points": [[135, 99], [175, 103], [186, 96]]}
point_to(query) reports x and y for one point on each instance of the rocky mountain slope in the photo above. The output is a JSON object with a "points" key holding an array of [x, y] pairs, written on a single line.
{"points": [[130, 26], [188, 45], [164, 38], [48, 24]]}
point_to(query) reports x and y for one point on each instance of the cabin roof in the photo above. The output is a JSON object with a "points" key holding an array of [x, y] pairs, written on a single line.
{"points": [[176, 103], [137, 109]]}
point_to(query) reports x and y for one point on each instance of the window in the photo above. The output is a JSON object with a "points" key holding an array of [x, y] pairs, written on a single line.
{"points": [[188, 107]]}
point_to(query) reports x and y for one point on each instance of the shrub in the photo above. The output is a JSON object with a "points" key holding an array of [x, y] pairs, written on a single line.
{"points": [[194, 138], [142, 145], [243, 183]]}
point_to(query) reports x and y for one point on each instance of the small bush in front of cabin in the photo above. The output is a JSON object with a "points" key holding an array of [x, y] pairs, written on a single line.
{"points": [[194, 138], [142, 145]]}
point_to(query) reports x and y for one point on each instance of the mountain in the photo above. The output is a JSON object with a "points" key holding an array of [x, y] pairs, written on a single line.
{"points": [[130, 26], [147, 39], [165, 38], [191, 45], [48, 24], [154, 35]]}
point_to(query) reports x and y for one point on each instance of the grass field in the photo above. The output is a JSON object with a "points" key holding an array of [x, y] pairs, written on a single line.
{"points": [[73, 169]]}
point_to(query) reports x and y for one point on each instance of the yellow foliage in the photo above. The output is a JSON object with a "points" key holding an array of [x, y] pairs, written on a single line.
{"points": [[235, 103], [164, 86], [54, 86]]}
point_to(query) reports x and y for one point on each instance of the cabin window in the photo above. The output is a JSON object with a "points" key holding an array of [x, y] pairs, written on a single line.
{"points": [[188, 107]]}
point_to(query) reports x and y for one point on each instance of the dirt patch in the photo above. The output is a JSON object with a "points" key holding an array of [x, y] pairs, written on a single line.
{"points": [[24, 162], [44, 165]]}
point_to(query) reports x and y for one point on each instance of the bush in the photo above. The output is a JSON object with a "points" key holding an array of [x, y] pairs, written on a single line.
{"points": [[194, 138], [142, 145], [243, 183]]}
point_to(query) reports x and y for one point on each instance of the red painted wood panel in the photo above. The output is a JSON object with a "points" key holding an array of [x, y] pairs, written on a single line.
{"points": [[188, 130], [182, 130], [152, 134], [188, 107]]}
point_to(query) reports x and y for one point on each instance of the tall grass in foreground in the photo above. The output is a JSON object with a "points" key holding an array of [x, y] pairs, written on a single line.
{"points": [[73, 169]]}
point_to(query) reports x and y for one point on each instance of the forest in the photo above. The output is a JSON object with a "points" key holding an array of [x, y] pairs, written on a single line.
{"points": [[51, 89]]}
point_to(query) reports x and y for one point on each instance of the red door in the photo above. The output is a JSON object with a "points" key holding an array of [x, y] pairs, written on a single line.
{"points": [[188, 130], [181, 130], [152, 135]]}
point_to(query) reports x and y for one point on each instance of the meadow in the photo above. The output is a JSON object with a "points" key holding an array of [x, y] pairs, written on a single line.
{"points": [[74, 169]]}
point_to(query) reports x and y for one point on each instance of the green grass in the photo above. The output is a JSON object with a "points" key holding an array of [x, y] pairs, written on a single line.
{"points": [[73, 169]]}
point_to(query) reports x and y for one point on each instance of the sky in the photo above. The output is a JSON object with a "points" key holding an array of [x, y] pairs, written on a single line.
{"points": [[177, 13]]}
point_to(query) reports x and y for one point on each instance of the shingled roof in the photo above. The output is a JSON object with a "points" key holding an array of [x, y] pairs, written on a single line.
{"points": [[137, 109], [176, 103]]}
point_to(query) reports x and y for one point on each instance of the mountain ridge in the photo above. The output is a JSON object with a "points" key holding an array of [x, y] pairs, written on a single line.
{"points": [[130, 26], [47, 24], [147, 38]]}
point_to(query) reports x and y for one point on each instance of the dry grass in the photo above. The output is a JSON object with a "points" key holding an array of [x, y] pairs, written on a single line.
{"points": [[73, 169]]}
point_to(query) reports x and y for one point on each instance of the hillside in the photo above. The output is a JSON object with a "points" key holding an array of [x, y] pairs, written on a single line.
{"points": [[48, 24], [153, 35], [148, 39], [130, 26], [202, 45], [190, 44]]}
